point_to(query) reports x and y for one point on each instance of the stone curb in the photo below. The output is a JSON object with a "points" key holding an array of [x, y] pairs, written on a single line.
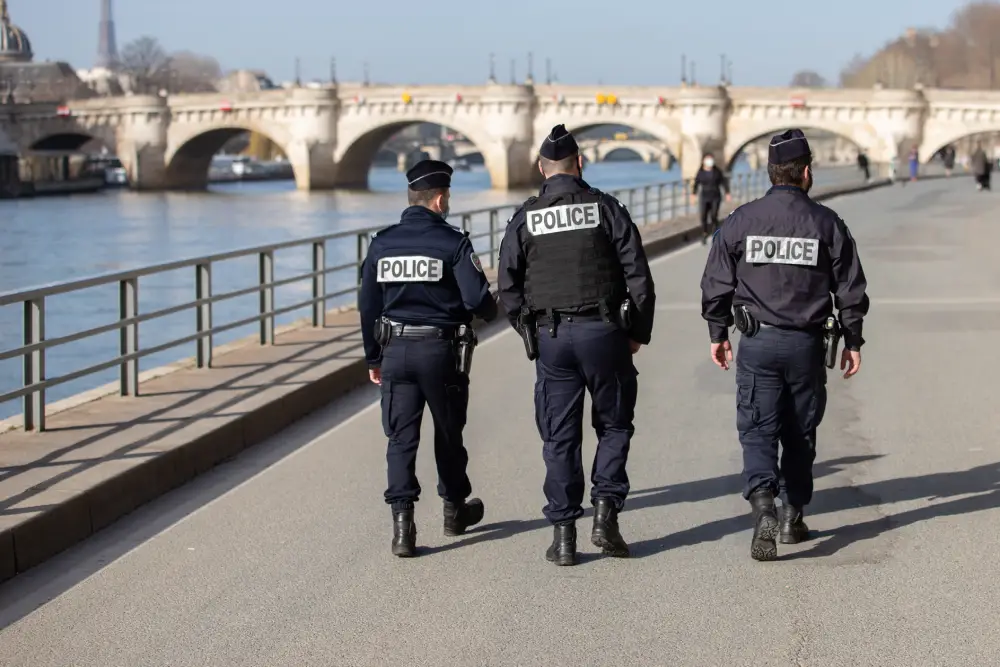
{"points": [[62, 525]]}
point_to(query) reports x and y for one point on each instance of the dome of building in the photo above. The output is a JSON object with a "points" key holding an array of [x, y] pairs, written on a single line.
{"points": [[14, 44]]}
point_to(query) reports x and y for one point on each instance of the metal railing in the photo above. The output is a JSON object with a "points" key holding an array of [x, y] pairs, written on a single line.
{"points": [[647, 204]]}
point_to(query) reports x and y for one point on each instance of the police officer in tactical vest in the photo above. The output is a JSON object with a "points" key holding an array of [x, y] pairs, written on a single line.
{"points": [[421, 285], [777, 261], [574, 281]]}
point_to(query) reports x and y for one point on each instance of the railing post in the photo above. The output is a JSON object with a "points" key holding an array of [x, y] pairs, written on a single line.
{"points": [[362, 252], [645, 205], [266, 298], [631, 200], [687, 198], [673, 200], [128, 308], [34, 364], [659, 203], [203, 314], [493, 238], [319, 284], [466, 222]]}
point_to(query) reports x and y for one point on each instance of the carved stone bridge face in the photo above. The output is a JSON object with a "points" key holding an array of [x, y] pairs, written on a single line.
{"points": [[331, 136]]}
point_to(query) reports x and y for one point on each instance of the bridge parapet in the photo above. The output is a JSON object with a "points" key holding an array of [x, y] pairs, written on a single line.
{"points": [[332, 134]]}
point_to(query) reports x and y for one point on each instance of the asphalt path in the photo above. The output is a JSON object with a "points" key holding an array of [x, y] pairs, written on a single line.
{"points": [[281, 557]]}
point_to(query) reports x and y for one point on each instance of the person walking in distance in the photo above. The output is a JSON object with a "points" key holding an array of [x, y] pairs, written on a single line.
{"points": [[710, 182]]}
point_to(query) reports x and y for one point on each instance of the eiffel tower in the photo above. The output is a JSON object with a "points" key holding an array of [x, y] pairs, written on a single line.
{"points": [[107, 50]]}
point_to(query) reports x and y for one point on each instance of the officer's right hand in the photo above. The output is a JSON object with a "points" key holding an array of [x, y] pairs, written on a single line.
{"points": [[722, 354], [634, 346], [851, 360], [375, 375]]}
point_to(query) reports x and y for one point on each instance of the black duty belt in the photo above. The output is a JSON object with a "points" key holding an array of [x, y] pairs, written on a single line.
{"points": [[422, 331], [813, 329], [563, 316]]}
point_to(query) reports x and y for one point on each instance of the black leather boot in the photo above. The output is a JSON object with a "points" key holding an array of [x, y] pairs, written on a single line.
{"points": [[459, 516], [793, 529], [404, 534], [605, 533], [562, 551], [765, 526]]}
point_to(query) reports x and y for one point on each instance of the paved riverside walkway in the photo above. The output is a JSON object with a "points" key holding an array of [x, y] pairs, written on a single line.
{"points": [[280, 556]]}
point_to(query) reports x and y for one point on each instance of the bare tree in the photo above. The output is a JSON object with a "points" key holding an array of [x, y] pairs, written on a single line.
{"points": [[146, 64], [808, 79], [964, 55], [193, 73]]}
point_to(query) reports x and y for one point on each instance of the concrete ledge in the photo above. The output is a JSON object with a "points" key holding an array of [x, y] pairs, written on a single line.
{"points": [[104, 457]]}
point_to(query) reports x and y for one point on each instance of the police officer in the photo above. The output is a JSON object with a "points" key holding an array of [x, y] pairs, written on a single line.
{"points": [[421, 285], [574, 281], [777, 260]]}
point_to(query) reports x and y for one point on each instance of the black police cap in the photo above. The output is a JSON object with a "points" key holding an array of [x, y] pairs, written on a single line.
{"points": [[788, 146], [429, 175], [559, 145]]}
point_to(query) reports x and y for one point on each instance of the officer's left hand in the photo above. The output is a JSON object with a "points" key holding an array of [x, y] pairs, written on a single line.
{"points": [[729, 197], [375, 375], [634, 346], [722, 354]]}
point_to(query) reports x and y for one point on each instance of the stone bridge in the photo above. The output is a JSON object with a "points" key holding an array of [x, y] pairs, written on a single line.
{"points": [[331, 136]]}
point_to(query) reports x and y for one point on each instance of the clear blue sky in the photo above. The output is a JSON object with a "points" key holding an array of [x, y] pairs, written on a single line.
{"points": [[637, 42]]}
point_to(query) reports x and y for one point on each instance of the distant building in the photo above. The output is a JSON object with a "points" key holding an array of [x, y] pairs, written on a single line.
{"points": [[22, 80]]}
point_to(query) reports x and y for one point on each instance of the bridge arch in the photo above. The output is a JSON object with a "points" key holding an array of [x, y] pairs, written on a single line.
{"points": [[737, 143], [356, 151], [931, 146], [189, 152]]}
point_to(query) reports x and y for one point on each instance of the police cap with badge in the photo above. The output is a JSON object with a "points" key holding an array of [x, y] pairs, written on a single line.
{"points": [[429, 175]]}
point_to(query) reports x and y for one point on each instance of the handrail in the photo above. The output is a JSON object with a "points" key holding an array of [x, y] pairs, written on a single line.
{"points": [[647, 204]]}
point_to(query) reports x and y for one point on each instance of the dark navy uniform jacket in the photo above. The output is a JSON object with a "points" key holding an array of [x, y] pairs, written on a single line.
{"points": [[624, 236], [782, 256], [421, 271]]}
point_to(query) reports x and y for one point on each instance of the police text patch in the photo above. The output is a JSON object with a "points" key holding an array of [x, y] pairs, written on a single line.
{"points": [[781, 250], [409, 270], [566, 218]]}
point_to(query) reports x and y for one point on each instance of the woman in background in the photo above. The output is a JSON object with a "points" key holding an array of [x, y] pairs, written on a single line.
{"points": [[710, 183]]}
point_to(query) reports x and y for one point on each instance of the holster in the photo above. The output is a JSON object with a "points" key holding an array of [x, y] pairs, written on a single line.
{"points": [[465, 345], [383, 331], [745, 322], [831, 340], [528, 329]]}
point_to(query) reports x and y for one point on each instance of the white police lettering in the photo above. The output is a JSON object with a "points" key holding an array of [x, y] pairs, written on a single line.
{"points": [[566, 218], [781, 250], [409, 270]]}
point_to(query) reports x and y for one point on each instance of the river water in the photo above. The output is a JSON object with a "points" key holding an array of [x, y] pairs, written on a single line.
{"points": [[56, 239]]}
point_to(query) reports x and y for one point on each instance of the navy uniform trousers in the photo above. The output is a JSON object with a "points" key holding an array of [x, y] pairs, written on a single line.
{"points": [[780, 397], [584, 356], [415, 373]]}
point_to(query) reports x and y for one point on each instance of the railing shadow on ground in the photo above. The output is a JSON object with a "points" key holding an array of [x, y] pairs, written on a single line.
{"points": [[194, 396]]}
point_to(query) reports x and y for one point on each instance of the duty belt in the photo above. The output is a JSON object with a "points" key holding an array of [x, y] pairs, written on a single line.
{"points": [[813, 328], [400, 330]]}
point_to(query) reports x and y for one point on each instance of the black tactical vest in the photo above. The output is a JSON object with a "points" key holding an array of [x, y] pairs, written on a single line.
{"points": [[571, 261]]}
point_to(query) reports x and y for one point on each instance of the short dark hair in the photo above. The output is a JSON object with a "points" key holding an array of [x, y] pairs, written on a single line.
{"points": [[563, 166], [789, 173], [423, 197]]}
